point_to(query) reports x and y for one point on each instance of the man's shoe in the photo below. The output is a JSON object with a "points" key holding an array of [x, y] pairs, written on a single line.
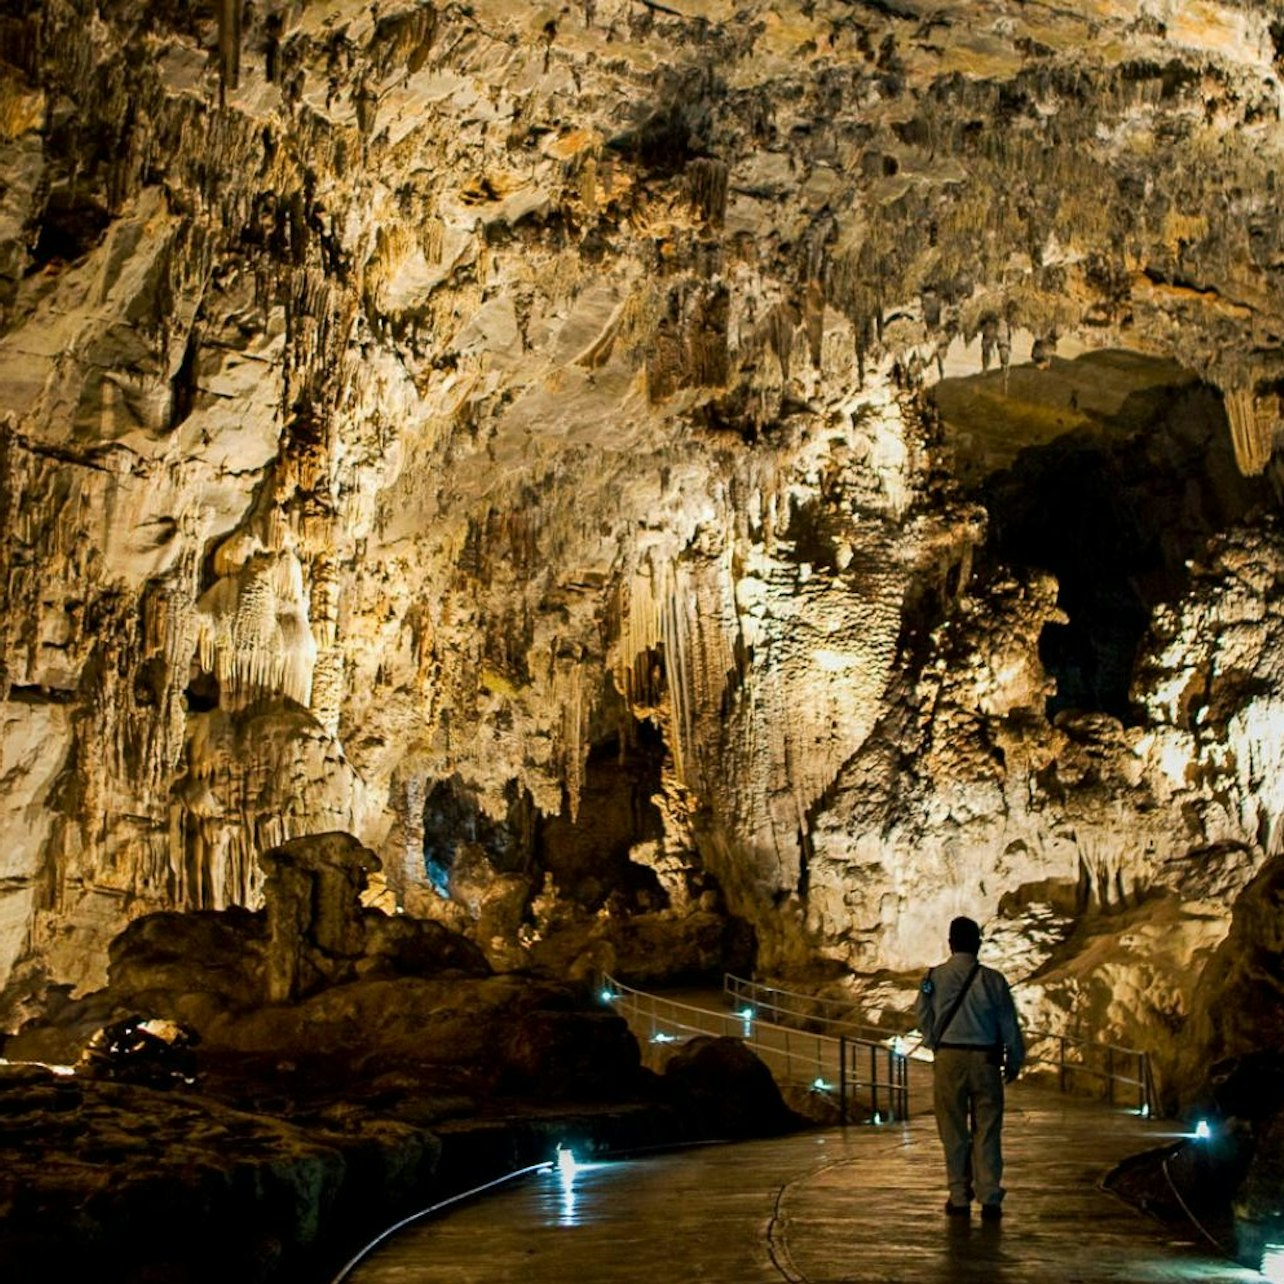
{"points": [[957, 1210], [991, 1212]]}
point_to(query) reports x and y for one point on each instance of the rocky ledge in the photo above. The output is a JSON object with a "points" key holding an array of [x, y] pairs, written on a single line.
{"points": [[253, 1095], [1224, 1179]]}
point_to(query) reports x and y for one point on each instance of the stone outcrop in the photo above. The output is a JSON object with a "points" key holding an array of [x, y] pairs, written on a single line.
{"points": [[1237, 1002], [725, 1090], [470, 428], [312, 889], [391, 1070], [1225, 1178]]}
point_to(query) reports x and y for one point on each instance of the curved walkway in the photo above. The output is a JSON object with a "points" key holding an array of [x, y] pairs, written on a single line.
{"points": [[859, 1205]]}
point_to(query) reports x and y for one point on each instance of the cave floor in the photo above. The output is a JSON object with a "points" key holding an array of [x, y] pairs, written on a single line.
{"points": [[854, 1205]]}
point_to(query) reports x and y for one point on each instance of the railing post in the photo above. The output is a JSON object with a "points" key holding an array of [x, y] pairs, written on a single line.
{"points": [[1061, 1063], [873, 1081], [842, 1075], [1110, 1073]]}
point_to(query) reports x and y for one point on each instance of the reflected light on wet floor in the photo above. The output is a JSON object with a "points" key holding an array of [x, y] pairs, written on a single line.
{"points": [[1273, 1263], [571, 1189]]}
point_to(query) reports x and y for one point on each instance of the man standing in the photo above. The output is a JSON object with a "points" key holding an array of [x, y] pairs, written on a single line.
{"points": [[968, 1019]]}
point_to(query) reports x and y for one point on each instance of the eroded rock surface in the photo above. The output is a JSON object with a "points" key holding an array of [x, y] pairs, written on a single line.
{"points": [[275, 1134], [469, 428]]}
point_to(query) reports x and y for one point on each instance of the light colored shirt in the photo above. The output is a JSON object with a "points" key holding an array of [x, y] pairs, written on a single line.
{"points": [[986, 1018]]}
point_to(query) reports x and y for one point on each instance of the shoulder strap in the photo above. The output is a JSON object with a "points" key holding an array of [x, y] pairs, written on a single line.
{"points": [[954, 1007]]}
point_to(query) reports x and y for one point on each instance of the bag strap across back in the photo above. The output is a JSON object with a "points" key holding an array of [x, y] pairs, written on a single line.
{"points": [[954, 1007]]}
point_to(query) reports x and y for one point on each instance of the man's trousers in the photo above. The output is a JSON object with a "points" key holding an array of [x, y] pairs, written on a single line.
{"points": [[967, 1092]]}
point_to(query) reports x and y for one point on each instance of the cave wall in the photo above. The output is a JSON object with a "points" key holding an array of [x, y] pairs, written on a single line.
{"points": [[402, 395]]}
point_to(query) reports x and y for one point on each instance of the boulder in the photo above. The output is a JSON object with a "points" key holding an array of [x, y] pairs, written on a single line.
{"points": [[220, 953], [725, 1090], [400, 945], [570, 1054]]}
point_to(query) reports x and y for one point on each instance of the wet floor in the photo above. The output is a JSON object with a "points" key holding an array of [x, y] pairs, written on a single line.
{"points": [[845, 1206]]}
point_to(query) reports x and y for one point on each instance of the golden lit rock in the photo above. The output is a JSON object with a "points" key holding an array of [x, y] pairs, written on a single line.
{"points": [[632, 464]]}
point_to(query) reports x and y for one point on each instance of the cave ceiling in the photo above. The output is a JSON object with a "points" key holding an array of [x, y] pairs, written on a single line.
{"points": [[603, 457]]}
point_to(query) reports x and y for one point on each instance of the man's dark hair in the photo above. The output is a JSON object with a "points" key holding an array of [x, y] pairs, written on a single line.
{"points": [[965, 935]]}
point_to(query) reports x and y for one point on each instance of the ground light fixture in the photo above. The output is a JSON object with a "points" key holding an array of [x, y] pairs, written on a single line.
{"points": [[1203, 1131], [567, 1168]]}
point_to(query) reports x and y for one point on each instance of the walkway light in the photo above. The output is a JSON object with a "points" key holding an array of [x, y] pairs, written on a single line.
{"points": [[607, 995], [1202, 1130], [661, 1037], [565, 1162], [819, 1085]]}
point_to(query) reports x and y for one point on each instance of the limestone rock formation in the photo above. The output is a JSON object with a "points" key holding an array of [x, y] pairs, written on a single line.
{"points": [[726, 1090], [506, 435], [342, 1070]]}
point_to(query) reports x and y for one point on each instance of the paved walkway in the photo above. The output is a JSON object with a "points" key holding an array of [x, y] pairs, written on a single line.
{"points": [[860, 1205]]}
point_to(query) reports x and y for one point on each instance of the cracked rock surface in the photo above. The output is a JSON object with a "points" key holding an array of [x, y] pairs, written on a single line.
{"points": [[544, 443]]}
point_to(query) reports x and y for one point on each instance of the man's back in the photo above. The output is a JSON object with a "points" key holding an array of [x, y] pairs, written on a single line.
{"points": [[986, 1017]]}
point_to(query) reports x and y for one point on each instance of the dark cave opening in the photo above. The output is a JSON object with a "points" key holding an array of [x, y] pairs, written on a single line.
{"points": [[588, 857], [1110, 471], [454, 820]]}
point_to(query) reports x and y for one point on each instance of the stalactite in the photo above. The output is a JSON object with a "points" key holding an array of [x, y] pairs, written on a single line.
{"points": [[253, 632], [327, 690], [229, 46], [1253, 423], [662, 618], [707, 185], [409, 871], [781, 322], [568, 697]]}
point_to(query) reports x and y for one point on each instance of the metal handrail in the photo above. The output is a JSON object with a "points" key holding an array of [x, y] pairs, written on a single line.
{"points": [[795, 1057], [772, 999], [791, 1004]]}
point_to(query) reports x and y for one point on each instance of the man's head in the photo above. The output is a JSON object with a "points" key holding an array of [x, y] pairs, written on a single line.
{"points": [[965, 936]]}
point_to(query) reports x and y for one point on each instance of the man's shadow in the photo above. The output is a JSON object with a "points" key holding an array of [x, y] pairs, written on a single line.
{"points": [[974, 1251]]}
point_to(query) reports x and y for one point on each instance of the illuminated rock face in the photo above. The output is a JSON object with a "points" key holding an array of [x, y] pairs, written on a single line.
{"points": [[478, 389]]}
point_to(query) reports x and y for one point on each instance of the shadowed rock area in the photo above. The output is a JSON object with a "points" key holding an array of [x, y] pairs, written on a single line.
{"points": [[244, 1126]]}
